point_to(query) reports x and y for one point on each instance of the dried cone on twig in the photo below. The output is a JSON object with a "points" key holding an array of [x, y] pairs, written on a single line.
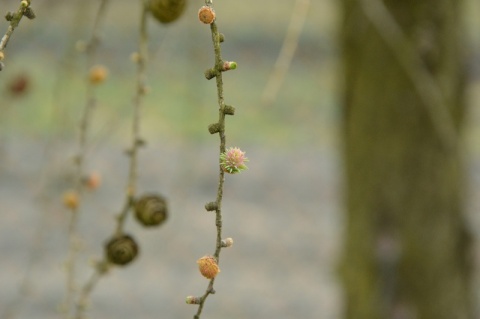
{"points": [[208, 266], [166, 11], [121, 250], [151, 210]]}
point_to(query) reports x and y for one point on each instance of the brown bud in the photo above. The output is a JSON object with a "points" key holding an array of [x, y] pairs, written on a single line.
{"points": [[121, 250], [229, 110], [208, 266], [151, 210], [98, 74], [92, 181], [70, 199], [29, 13], [9, 16], [19, 85], [206, 15], [211, 206], [166, 11], [210, 74], [214, 128]]}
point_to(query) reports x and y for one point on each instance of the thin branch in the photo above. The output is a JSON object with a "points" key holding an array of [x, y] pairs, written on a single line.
{"points": [[137, 141], [79, 163], [289, 46], [217, 72], [103, 266], [14, 18], [424, 83]]}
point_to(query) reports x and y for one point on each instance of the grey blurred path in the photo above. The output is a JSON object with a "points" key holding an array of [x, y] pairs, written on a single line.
{"points": [[282, 213]]}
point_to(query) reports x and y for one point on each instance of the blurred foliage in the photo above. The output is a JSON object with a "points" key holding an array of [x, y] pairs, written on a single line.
{"points": [[181, 103]]}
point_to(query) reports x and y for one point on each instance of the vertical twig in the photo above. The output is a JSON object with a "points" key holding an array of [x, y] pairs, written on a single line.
{"points": [[79, 164], [141, 57], [209, 264]]}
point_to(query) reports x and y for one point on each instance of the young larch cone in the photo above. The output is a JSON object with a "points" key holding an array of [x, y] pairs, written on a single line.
{"points": [[206, 15], [151, 210], [121, 250], [166, 11], [208, 266], [233, 160]]}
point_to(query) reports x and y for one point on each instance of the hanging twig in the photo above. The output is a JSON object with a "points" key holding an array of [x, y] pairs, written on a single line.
{"points": [[73, 198], [231, 160], [105, 264]]}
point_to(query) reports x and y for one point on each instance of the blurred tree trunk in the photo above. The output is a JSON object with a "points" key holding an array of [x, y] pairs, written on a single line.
{"points": [[406, 249]]}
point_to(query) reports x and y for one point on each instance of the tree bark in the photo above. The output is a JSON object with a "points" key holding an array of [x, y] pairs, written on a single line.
{"points": [[407, 246]]}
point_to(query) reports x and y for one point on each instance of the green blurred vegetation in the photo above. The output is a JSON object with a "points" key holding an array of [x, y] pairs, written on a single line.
{"points": [[181, 103]]}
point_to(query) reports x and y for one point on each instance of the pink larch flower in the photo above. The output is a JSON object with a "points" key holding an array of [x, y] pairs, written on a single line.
{"points": [[233, 160]]}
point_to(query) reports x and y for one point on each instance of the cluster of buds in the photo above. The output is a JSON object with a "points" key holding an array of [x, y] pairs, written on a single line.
{"points": [[225, 66], [71, 198], [27, 11]]}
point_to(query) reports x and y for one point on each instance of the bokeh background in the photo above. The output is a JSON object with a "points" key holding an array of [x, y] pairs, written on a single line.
{"points": [[284, 213]]}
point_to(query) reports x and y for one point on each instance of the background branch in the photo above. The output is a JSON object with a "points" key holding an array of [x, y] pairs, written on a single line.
{"points": [[79, 162], [14, 18], [141, 57], [289, 46]]}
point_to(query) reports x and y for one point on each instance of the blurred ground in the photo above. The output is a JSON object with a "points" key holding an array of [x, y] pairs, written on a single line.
{"points": [[284, 213]]}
